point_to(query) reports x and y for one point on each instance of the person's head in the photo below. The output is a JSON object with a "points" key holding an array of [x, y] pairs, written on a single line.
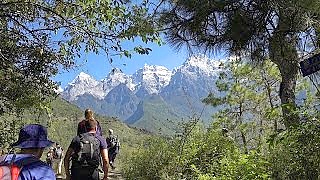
{"points": [[88, 114], [110, 131], [91, 125], [33, 139]]}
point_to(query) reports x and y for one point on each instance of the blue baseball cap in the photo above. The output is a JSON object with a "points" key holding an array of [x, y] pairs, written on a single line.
{"points": [[33, 136]]}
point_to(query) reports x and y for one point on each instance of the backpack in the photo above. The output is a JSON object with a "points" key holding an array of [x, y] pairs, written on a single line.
{"points": [[88, 156], [11, 171], [114, 141], [58, 153]]}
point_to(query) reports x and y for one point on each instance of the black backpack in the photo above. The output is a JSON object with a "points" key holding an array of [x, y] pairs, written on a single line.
{"points": [[89, 152], [58, 153], [113, 142]]}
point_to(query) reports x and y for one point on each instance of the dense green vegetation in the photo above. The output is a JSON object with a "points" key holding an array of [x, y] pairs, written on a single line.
{"points": [[246, 139], [278, 30]]}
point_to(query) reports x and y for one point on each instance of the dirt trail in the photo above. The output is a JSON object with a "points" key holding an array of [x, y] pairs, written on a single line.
{"points": [[114, 174]]}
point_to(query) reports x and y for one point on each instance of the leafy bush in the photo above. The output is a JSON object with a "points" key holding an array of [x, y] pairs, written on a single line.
{"points": [[198, 154], [245, 166], [152, 161], [296, 153]]}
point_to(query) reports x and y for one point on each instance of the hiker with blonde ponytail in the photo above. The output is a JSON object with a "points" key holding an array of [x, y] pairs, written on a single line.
{"points": [[88, 114]]}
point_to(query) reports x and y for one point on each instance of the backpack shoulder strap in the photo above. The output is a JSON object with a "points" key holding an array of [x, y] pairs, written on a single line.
{"points": [[16, 168], [12, 169], [81, 136]]}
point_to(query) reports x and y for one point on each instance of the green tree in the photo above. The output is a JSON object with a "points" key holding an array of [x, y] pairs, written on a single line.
{"points": [[295, 153], [37, 37], [275, 29], [249, 104], [196, 154]]}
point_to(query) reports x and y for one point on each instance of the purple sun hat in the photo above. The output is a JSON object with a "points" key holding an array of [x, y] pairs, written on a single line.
{"points": [[33, 136]]}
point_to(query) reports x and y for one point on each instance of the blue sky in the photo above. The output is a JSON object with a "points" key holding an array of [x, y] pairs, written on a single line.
{"points": [[98, 66]]}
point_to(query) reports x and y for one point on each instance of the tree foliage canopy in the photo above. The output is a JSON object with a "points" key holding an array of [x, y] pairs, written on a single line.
{"points": [[275, 29], [243, 141], [37, 37]]}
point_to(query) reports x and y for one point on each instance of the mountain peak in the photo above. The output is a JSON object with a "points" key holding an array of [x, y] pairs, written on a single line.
{"points": [[83, 74], [200, 64], [83, 77], [200, 58], [201, 61], [115, 71], [83, 83], [152, 78], [149, 79], [153, 68], [114, 78]]}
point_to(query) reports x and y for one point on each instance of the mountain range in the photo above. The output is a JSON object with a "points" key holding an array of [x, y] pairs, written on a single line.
{"points": [[154, 97]]}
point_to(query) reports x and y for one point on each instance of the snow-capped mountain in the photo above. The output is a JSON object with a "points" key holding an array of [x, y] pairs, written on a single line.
{"points": [[152, 78], [195, 77], [114, 78], [179, 91], [201, 64], [190, 83], [149, 80], [82, 84]]}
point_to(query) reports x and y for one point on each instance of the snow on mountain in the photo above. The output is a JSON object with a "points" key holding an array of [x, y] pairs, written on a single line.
{"points": [[114, 78], [196, 77], [152, 78], [200, 65], [58, 90], [82, 84], [180, 90], [198, 71]]}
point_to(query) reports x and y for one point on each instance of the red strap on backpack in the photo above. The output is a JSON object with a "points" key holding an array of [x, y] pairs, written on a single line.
{"points": [[1, 172], [11, 171], [15, 170]]}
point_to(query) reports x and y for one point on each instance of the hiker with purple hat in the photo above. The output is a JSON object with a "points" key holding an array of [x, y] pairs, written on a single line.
{"points": [[26, 165]]}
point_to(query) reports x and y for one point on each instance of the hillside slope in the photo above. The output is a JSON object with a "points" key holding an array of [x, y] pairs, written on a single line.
{"points": [[155, 115], [62, 126]]}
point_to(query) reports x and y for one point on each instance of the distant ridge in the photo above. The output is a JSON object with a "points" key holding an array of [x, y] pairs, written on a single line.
{"points": [[180, 92]]}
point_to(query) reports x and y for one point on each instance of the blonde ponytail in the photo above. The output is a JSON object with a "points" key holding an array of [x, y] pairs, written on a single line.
{"points": [[88, 114]]}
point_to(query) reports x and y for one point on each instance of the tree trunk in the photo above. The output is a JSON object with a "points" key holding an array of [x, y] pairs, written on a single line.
{"points": [[283, 52], [287, 95]]}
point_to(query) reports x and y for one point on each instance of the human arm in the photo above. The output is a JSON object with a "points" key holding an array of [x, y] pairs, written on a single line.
{"points": [[79, 130], [99, 129], [67, 159], [105, 162], [104, 155]]}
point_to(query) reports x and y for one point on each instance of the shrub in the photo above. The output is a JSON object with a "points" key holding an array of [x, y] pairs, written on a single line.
{"points": [[151, 161], [296, 153], [197, 154]]}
